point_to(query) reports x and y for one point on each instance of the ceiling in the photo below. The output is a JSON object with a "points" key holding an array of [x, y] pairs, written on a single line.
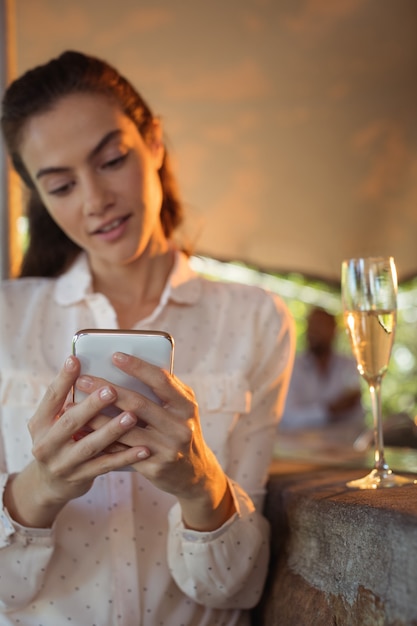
{"points": [[292, 123]]}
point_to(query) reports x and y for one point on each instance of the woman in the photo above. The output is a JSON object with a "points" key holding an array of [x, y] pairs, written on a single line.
{"points": [[180, 539]]}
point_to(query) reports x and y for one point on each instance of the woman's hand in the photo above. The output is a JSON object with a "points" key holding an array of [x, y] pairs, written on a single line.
{"points": [[64, 467], [179, 460]]}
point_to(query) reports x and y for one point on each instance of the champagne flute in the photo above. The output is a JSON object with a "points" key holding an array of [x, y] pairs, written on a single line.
{"points": [[369, 298]]}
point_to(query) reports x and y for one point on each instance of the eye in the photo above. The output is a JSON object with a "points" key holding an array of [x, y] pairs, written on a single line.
{"points": [[115, 162], [62, 190]]}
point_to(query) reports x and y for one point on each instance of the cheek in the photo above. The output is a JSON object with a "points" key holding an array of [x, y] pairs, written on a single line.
{"points": [[154, 192], [145, 184], [146, 189]]}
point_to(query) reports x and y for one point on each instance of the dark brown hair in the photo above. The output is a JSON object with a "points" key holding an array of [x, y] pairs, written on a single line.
{"points": [[50, 251]]}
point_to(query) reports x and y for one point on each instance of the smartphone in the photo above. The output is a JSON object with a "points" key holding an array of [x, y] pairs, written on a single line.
{"points": [[94, 349]]}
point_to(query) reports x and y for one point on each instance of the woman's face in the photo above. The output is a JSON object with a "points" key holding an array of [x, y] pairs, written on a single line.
{"points": [[97, 177]]}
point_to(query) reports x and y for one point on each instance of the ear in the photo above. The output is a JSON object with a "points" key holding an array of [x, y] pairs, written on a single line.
{"points": [[156, 143]]}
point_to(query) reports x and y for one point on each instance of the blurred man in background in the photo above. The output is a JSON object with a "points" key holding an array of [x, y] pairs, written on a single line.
{"points": [[325, 388]]}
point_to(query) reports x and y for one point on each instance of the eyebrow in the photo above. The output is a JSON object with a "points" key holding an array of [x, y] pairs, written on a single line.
{"points": [[108, 137]]}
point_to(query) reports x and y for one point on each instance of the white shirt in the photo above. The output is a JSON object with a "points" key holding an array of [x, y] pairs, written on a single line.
{"points": [[120, 555], [311, 391]]}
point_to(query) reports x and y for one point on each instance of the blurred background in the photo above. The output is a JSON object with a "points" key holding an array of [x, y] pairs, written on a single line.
{"points": [[293, 129]]}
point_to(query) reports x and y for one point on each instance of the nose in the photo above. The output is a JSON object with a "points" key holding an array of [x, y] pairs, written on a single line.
{"points": [[97, 198]]}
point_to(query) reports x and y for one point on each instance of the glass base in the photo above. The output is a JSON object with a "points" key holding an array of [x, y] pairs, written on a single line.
{"points": [[378, 479]]}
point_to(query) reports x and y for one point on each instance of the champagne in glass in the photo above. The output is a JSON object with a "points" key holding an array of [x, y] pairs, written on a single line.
{"points": [[369, 297]]}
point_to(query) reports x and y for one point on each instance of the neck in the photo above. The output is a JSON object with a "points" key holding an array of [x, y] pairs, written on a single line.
{"points": [[135, 289]]}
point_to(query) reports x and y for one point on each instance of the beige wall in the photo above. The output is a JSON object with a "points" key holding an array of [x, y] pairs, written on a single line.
{"points": [[292, 123]]}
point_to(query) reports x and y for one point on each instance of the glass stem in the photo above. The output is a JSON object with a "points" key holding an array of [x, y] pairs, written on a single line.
{"points": [[375, 389]]}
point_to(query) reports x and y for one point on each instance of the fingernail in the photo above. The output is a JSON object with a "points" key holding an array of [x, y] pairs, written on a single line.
{"points": [[70, 364], [121, 357], [106, 393], [128, 419], [143, 454], [85, 382]]}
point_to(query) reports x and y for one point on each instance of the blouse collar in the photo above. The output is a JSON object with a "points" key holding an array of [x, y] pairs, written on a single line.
{"points": [[76, 284]]}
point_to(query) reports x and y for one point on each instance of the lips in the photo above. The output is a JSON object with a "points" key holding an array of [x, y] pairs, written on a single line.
{"points": [[110, 226]]}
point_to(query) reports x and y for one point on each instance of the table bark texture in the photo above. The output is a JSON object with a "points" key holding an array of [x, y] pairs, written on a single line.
{"points": [[340, 557]]}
